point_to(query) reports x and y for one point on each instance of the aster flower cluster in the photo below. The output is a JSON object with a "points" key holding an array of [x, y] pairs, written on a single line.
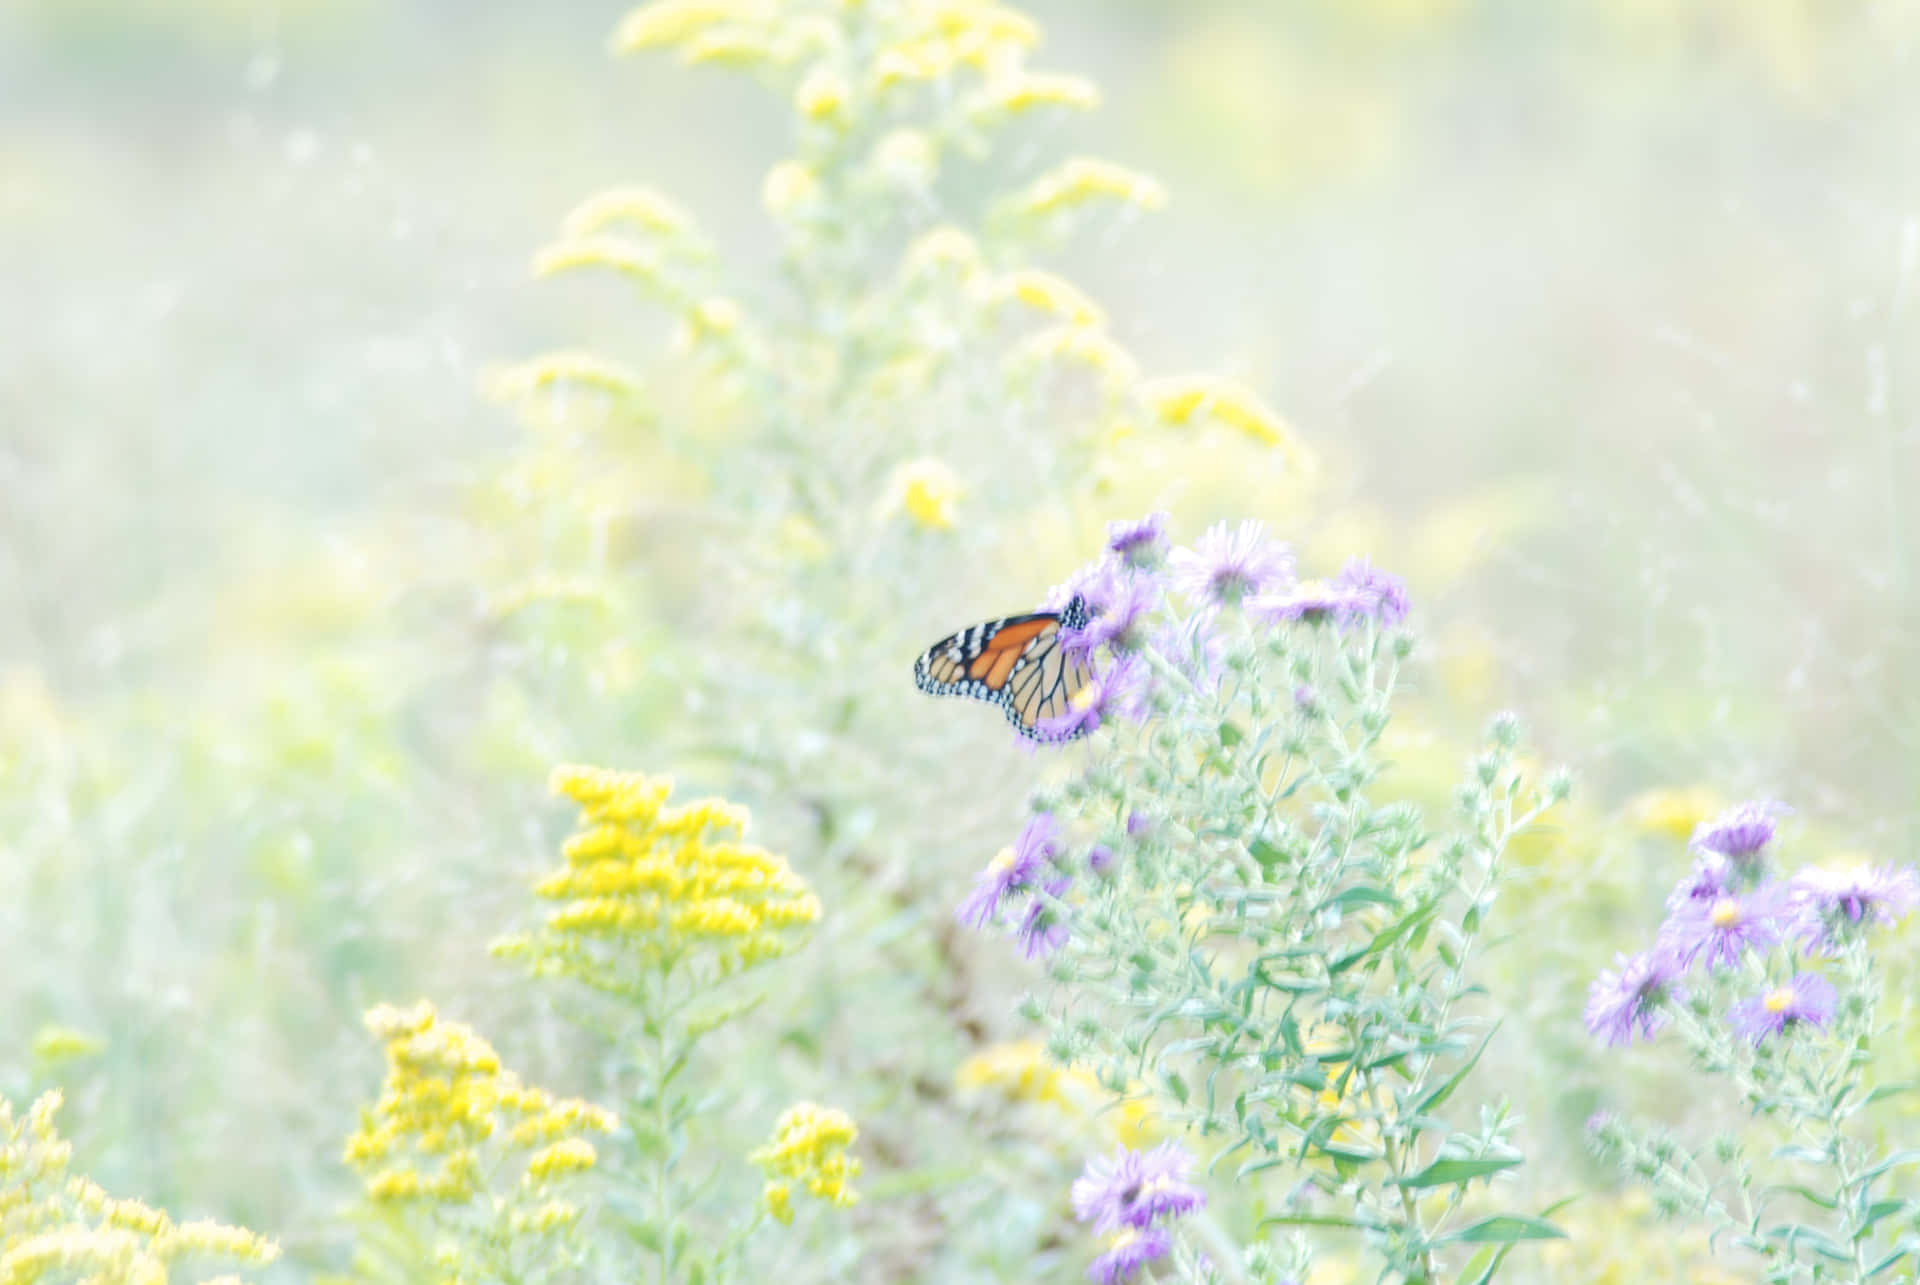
{"points": [[1239, 914], [1770, 983], [1131, 1200]]}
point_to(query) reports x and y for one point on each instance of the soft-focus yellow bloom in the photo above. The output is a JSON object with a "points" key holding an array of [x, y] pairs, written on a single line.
{"points": [[1050, 293], [642, 263], [1088, 346], [640, 206], [645, 883], [822, 95], [927, 490], [944, 248], [729, 46], [1022, 1072], [448, 1114], [53, 1044], [665, 23], [1672, 812], [572, 369], [906, 158], [1083, 179], [809, 1146], [1024, 91], [778, 1198], [789, 188], [59, 1227], [1181, 399]]}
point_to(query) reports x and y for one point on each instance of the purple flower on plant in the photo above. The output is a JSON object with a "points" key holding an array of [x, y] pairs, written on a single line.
{"points": [[1628, 998], [1370, 591], [1012, 869], [1193, 647], [1119, 690], [1099, 858], [1043, 929], [1720, 928], [1310, 603], [1139, 544], [1805, 997], [1138, 823], [1739, 832], [1136, 1188], [1230, 563], [1128, 1252], [1833, 902], [1123, 605], [1710, 879]]}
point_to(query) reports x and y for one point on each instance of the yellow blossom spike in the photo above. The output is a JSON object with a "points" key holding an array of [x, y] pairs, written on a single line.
{"points": [[1087, 346], [1025, 91], [642, 263], [1180, 400], [809, 1146], [574, 369], [640, 206], [1049, 293], [667, 23], [926, 490], [1083, 179]]}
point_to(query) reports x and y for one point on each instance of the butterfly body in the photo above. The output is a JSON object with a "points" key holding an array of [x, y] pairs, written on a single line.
{"points": [[1017, 663]]}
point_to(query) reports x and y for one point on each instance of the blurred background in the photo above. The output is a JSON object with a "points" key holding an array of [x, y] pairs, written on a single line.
{"points": [[1597, 312]]}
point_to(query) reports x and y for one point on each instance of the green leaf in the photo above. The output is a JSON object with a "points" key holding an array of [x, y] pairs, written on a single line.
{"points": [[1230, 735], [1875, 1212], [1893, 1161], [1502, 1229], [1360, 895], [1314, 1220], [1433, 1097], [1267, 853], [1446, 1173], [1176, 1086], [1886, 1091]]}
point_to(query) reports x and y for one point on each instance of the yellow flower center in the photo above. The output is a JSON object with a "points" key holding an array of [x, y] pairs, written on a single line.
{"points": [[1002, 861], [1726, 913], [1779, 1001]]}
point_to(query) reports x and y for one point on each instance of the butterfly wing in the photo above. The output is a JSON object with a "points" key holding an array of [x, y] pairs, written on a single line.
{"points": [[1016, 663]]}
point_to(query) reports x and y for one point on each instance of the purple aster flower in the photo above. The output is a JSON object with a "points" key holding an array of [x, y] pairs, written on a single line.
{"points": [[1833, 902], [1740, 832], [1012, 869], [1806, 997], [1099, 858], [1128, 1252], [1138, 823], [1308, 603], [1370, 591], [1043, 929], [1121, 610], [1710, 879], [1230, 563], [1119, 690], [1139, 544], [1136, 1188], [1629, 997], [1724, 926]]}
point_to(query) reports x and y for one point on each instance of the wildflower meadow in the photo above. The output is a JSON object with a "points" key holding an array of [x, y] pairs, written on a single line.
{"points": [[949, 641]]}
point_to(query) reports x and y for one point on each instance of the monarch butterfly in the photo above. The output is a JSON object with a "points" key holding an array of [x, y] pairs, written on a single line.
{"points": [[1017, 663]]}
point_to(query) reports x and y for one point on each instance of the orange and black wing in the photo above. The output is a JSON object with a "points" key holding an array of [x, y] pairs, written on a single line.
{"points": [[1016, 663]]}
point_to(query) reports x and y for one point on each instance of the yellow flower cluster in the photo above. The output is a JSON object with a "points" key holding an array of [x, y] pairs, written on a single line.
{"points": [[809, 1147], [449, 1116], [54, 1226], [1021, 1071], [647, 884]]}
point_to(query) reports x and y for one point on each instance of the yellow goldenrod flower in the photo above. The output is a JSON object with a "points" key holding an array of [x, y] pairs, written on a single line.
{"points": [[809, 1146], [927, 490], [778, 1198], [1088, 346], [642, 263], [1180, 400], [1024, 91], [1021, 1071], [945, 247], [906, 158], [1049, 293], [666, 23], [992, 23], [449, 1114], [1081, 180], [54, 1226], [640, 206], [1674, 813], [572, 369], [789, 188], [646, 884], [52, 1044], [729, 47], [822, 95]]}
